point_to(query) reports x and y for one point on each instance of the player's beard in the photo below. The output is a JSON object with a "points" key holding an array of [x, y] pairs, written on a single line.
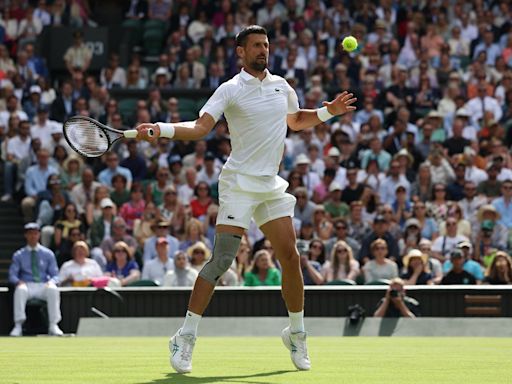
{"points": [[258, 65]]}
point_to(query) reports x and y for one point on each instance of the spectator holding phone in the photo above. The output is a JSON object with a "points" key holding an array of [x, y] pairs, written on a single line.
{"points": [[396, 304]]}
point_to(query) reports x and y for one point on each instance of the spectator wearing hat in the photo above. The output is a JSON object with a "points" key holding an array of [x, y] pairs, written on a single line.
{"points": [[33, 103], [34, 273], [113, 168], [411, 236], [161, 230], [122, 269], [457, 274], [380, 266], [417, 269], [71, 173], [396, 303], [17, 148], [101, 227], [435, 266], [471, 264], [335, 205], [303, 208], [387, 190], [310, 179], [503, 204], [407, 164], [182, 275], [332, 161], [380, 231], [199, 255], [79, 271], [156, 268], [490, 232], [491, 188]]}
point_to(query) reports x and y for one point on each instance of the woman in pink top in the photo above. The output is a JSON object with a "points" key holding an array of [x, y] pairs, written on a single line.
{"points": [[133, 209]]}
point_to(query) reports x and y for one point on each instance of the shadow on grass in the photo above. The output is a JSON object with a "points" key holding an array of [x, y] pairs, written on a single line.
{"points": [[177, 378]]}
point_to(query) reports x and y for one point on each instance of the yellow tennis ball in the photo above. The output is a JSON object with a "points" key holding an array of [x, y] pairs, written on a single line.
{"points": [[349, 43]]}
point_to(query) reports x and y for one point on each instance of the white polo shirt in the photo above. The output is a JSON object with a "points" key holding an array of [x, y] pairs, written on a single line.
{"points": [[256, 114]]}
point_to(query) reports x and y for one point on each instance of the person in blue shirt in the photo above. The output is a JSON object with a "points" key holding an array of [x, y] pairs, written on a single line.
{"points": [[113, 168], [470, 266], [122, 269], [35, 274]]}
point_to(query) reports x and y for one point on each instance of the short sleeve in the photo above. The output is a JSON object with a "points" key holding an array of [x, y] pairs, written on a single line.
{"points": [[217, 103], [293, 100]]}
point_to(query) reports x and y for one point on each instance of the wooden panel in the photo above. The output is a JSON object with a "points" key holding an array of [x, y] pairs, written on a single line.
{"points": [[483, 311], [483, 299]]}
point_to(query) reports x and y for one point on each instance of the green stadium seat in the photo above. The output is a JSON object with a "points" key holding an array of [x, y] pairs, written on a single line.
{"points": [[143, 283], [127, 108], [152, 41], [341, 282], [188, 109], [155, 25], [135, 27]]}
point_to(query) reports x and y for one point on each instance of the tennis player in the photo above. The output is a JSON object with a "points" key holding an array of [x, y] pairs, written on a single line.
{"points": [[258, 107]]}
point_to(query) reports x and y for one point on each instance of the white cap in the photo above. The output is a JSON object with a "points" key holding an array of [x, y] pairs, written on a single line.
{"points": [[35, 89], [462, 112], [106, 202], [333, 151], [335, 186], [56, 128], [302, 159]]}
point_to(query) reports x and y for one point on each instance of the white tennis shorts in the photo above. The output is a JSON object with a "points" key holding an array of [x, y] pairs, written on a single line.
{"points": [[243, 196]]}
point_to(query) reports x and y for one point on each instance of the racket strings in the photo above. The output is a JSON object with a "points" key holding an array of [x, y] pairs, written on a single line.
{"points": [[88, 138]]}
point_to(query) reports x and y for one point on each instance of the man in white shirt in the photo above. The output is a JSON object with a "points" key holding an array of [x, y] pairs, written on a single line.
{"points": [[210, 171], [161, 230], [43, 127], [387, 189], [443, 245], [259, 108], [483, 103], [11, 108], [18, 148], [158, 267]]}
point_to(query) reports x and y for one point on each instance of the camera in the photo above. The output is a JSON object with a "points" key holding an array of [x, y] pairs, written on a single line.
{"points": [[355, 313], [394, 293]]}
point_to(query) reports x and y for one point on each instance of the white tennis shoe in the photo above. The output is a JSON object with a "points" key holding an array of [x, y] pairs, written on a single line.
{"points": [[296, 343], [181, 348]]}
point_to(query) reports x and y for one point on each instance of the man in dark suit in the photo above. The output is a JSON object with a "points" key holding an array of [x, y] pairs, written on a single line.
{"points": [[214, 77], [63, 106]]}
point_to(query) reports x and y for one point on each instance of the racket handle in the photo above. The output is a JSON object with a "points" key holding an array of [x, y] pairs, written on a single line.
{"points": [[132, 133]]}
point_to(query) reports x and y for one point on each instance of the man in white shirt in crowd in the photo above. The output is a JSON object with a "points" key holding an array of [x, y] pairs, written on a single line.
{"points": [[43, 128], [157, 268], [161, 229], [18, 148], [443, 245]]}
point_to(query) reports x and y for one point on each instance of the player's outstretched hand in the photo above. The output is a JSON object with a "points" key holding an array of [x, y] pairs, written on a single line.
{"points": [[143, 130], [341, 104]]}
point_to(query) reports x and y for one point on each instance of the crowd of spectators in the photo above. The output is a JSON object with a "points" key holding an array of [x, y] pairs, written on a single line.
{"points": [[416, 183]]}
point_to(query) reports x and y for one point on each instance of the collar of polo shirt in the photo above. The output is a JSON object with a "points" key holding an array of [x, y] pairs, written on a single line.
{"points": [[250, 78]]}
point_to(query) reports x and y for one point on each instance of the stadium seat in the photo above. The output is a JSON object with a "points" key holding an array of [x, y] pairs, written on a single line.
{"points": [[188, 109], [342, 282], [135, 27], [378, 282], [155, 25], [143, 283], [127, 109], [152, 41]]}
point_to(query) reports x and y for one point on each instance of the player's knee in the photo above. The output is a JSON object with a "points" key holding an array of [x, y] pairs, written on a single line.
{"points": [[224, 252], [21, 289], [288, 253]]}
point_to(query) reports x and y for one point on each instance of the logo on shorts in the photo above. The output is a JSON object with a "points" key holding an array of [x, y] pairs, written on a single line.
{"points": [[231, 217], [277, 90]]}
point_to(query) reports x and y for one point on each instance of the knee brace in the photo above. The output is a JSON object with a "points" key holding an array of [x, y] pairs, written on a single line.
{"points": [[224, 252]]}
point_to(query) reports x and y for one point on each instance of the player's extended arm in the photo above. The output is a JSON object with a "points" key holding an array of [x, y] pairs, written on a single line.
{"points": [[186, 130], [307, 118]]}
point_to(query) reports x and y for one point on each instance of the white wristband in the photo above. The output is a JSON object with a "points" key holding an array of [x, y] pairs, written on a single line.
{"points": [[323, 114], [166, 130]]}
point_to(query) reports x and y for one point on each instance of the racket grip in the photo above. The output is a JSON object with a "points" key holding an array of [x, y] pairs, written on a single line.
{"points": [[132, 133]]}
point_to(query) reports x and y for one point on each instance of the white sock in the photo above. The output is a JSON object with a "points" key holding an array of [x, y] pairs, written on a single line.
{"points": [[296, 321], [191, 323]]}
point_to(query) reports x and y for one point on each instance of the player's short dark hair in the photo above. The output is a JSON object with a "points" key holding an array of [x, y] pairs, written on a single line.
{"points": [[241, 37]]}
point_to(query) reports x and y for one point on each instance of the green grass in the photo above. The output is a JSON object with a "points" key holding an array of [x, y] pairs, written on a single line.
{"points": [[357, 360]]}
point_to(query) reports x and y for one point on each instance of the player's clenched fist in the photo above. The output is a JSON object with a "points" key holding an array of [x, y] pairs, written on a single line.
{"points": [[147, 131]]}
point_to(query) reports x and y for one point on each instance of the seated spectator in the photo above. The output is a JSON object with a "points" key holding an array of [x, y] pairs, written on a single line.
{"points": [[500, 270], [34, 273], [380, 231], [401, 205], [122, 269], [311, 268], [437, 206], [156, 188], [172, 210], [71, 174], [79, 271], [443, 245], [340, 233], [470, 265], [101, 227], [341, 264], [303, 208], [161, 229], [82, 193], [492, 186], [63, 253], [457, 274], [357, 228], [199, 255], [93, 209], [396, 303], [155, 269], [503, 204], [113, 168], [201, 200], [335, 206], [134, 208], [183, 275], [143, 227], [103, 254], [263, 271], [463, 225], [435, 266], [380, 267], [418, 272], [193, 234], [411, 236], [78, 55], [68, 220], [119, 193], [134, 162]]}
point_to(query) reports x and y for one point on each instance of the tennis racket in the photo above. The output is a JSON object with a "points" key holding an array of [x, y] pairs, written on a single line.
{"points": [[90, 138]]}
